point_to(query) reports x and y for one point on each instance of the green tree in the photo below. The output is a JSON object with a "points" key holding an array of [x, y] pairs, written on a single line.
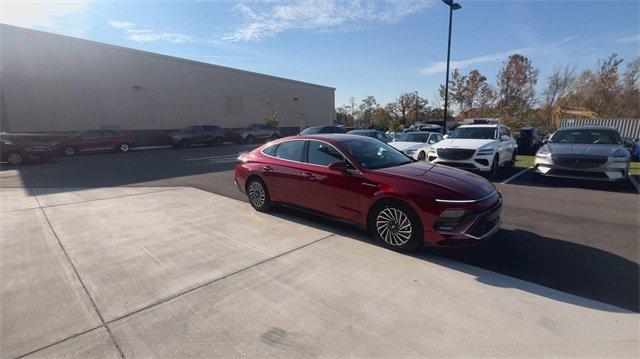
{"points": [[516, 89]]}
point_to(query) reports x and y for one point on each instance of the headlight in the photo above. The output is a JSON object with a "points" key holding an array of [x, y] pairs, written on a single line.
{"points": [[485, 151], [432, 150], [543, 153], [619, 159], [410, 152]]}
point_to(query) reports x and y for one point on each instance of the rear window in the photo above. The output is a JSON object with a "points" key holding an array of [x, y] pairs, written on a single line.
{"points": [[310, 130], [290, 150]]}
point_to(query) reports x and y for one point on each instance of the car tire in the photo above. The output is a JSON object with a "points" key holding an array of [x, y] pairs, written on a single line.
{"points": [[70, 151], [124, 147], [512, 161], [185, 143], [219, 141], [422, 156], [258, 195], [495, 164], [396, 226], [250, 140], [14, 158]]}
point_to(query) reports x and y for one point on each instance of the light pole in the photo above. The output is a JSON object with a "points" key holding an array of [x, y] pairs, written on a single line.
{"points": [[452, 6]]}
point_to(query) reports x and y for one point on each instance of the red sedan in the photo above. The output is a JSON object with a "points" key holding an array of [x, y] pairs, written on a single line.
{"points": [[25, 152], [98, 140], [369, 183]]}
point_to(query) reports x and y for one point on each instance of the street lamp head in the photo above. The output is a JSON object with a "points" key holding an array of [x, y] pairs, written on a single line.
{"points": [[454, 5]]}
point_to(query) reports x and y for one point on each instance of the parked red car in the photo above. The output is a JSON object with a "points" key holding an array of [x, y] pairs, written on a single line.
{"points": [[367, 182], [25, 152], [98, 140]]}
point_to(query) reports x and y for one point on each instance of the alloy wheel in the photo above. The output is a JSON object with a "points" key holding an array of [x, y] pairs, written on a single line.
{"points": [[257, 194], [394, 226], [69, 151], [15, 159], [124, 147]]}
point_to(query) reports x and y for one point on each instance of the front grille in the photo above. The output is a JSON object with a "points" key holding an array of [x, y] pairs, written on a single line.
{"points": [[485, 223], [455, 154], [579, 162], [458, 165]]}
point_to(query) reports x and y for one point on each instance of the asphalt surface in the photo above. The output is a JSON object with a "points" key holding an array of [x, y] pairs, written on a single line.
{"points": [[573, 236]]}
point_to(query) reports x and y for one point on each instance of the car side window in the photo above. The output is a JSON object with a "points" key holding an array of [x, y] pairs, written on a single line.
{"points": [[92, 135], [271, 150], [290, 150], [322, 154], [380, 136], [432, 139]]}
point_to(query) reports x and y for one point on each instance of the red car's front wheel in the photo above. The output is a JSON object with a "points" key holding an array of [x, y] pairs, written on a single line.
{"points": [[396, 226]]}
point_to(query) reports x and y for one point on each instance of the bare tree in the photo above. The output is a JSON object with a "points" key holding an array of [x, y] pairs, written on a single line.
{"points": [[406, 105], [559, 84]]}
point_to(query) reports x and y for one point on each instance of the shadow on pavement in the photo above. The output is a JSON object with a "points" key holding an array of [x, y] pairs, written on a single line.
{"points": [[548, 262]]}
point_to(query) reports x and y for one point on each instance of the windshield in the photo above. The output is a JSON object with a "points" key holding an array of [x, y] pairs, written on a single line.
{"points": [[374, 154], [596, 137], [310, 130], [480, 133], [413, 137]]}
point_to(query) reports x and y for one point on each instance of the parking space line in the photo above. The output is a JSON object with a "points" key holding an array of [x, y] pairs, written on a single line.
{"points": [[635, 183], [516, 175]]}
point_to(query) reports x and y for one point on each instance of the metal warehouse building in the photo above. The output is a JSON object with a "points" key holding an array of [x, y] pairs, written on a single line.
{"points": [[53, 83], [628, 127]]}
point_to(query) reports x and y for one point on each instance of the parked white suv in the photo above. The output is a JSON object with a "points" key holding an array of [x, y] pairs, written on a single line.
{"points": [[481, 148]]}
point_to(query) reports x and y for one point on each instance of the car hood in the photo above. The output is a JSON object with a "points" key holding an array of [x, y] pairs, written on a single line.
{"points": [[403, 145], [459, 184], [585, 149], [468, 143]]}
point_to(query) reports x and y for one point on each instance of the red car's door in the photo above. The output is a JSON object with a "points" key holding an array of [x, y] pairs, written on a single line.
{"points": [[282, 172], [327, 191], [91, 141]]}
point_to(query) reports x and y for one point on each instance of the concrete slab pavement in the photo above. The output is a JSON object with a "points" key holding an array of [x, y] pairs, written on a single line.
{"points": [[15, 199], [41, 299], [342, 297], [137, 250], [186, 273], [94, 344]]}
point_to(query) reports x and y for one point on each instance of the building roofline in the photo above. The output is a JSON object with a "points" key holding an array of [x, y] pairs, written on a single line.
{"points": [[166, 57]]}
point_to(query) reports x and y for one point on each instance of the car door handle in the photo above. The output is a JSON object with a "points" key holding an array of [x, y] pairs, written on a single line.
{"points": [[267, 168], [309, 176], [366, 184]]}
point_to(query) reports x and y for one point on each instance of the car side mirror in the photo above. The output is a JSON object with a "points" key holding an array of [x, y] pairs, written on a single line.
{"points": [[445, 136], [338, 166]]}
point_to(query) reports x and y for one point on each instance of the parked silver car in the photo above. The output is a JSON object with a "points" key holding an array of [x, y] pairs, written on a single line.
{"points": [[590, 152], [256, 132]]}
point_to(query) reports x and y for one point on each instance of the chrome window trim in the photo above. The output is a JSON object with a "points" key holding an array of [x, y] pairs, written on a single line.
{"points": [[467, 200], [307, 163]]}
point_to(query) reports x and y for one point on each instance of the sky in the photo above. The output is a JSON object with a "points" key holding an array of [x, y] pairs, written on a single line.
{"points": [[362, 48]]}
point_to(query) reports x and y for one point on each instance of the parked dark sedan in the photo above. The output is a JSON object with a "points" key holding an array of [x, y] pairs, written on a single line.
{"points": [[97, 140], [371, 184], [23, 153], [313, 130]]}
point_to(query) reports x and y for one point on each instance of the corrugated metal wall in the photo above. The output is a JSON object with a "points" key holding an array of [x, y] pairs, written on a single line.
{"points": [[628, 127], [57, 83]]}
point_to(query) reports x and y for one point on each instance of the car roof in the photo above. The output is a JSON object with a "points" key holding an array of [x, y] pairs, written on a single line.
{"points": [[362, 131], [481, 125], [588, 127]]}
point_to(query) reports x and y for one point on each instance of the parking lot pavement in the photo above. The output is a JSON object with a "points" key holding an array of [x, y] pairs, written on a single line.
{"points": [[197, 274]]}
